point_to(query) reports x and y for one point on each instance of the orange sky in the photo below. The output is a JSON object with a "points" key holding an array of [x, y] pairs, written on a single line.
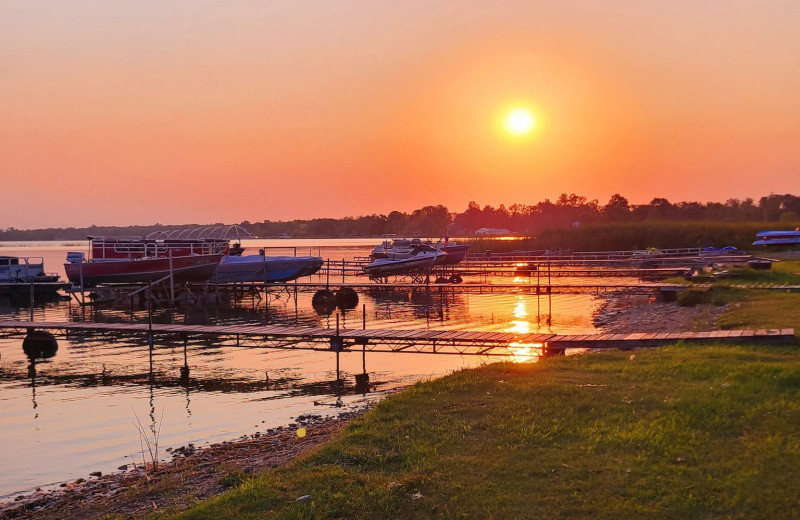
{"points": [[116, 113]]}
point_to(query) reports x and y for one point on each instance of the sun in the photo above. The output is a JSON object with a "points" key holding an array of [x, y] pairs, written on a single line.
{"points": [[519, 121]]}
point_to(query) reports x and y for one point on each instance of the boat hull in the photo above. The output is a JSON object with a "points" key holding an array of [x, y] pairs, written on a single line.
{"points": [[777, 238], [455, 254], [195, 268], [42, 286], [270, 269], [387, 267]]}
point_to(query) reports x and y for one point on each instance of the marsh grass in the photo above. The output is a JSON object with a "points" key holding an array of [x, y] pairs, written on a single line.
{"points": [[614, 236], [677, 432]]}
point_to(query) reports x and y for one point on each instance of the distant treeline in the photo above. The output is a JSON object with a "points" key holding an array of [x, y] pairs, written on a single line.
{"points": [[567, 212]]}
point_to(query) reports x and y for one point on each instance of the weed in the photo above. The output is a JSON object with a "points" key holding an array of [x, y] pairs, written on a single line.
{"points": [[149, 441]]}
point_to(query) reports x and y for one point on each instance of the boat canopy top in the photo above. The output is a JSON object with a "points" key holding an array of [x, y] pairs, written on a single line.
{"points": [[219, 232]]}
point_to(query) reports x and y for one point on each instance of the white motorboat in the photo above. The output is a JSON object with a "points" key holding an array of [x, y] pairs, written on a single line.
{"points": [[417, 259], [455, 253]]}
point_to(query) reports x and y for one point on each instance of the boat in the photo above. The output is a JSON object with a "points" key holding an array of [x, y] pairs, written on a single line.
{"points": [[777, 238], [721, 251], [261, 268], [18, 273], [126, 260], [403, 262], [454, 253]]}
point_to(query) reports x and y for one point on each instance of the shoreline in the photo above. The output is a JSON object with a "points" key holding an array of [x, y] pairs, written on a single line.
{"points": [[628, 313], [193, 473]]}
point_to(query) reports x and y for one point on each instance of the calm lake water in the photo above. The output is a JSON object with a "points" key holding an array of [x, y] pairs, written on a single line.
{"points": [[76, 412]]}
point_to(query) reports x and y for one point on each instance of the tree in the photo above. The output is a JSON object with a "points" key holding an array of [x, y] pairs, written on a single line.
{"points": [[617, 208]]}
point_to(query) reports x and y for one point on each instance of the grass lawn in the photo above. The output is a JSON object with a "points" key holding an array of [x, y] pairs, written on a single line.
{"points": [[781, 273], [676, 432], [753, 308]]}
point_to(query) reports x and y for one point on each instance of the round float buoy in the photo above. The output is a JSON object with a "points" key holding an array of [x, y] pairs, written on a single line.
{"points": [[324, 302], [346, 298], [39, 344], [456, 278]]}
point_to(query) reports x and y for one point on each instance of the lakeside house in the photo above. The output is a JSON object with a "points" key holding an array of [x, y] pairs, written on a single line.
{"points": [[492, 231]]}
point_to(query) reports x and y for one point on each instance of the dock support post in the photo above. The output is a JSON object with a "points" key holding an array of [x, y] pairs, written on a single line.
{"points": [[32, 298], [83, 295], [185, 367], [328, 275], [150, 325], [266, 282], [338, 348], [186, 303], [549, 296], [342, 270], [171, 281]]}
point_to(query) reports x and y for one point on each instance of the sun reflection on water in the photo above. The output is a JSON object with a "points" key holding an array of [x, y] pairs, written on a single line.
{"points": [[523, 352]]}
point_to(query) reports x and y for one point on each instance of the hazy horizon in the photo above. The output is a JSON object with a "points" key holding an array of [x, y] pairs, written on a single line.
{"points": [[113, 114]]}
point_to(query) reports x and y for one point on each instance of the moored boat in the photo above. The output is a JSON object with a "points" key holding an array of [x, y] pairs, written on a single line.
{"points": [[124, 260], [269, 269], [418, 259], [454, 253], [192, 268], [18, 273], [777, 238]]}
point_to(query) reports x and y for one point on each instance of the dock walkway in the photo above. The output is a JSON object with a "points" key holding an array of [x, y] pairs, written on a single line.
{"points": [[530, 287], [461, 342]]}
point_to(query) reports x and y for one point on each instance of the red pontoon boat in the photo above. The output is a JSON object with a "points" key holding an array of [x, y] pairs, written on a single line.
{"points": [[191, 257]]}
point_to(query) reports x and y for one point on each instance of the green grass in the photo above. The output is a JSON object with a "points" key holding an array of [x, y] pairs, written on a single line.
{"points": [[781, 273], [751, 308], [676, 432], [761, 309]]}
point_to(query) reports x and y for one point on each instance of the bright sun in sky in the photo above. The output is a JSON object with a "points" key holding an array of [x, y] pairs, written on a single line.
{"points": [[519, 121]]}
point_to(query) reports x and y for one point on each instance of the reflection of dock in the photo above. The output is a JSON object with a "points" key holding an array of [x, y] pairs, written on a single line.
{"points": [[480, 288], [426, 341], [554, 269]]}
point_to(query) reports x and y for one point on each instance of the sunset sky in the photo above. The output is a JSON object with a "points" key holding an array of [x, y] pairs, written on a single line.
{"points": [[115, 113]]}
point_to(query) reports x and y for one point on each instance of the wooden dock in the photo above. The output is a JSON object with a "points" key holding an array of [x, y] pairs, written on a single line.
{"points": [[526, 287], [459, 342]]}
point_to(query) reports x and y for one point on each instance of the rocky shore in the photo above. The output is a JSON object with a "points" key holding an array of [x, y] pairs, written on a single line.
{"points": [[191, 475], [624, 313]]}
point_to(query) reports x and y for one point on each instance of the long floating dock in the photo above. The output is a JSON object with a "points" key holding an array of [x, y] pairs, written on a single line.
{"points": [[460, 342], [468, 287]]}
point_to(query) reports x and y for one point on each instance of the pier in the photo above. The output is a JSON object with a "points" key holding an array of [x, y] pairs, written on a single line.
{"points": [[425, 341]]}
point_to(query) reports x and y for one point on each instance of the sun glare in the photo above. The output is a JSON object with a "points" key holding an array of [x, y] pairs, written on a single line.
{"points": [[520, 121]]}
